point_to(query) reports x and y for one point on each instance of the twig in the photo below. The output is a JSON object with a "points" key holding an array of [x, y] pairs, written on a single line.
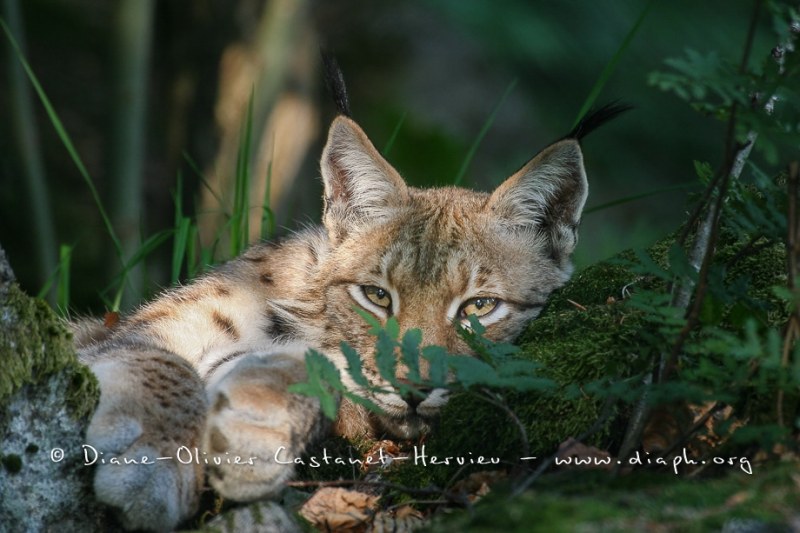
{"points": [[500, 404], [605, 414], [576, 304], [749, 248], [638, 420], [716, 406]]}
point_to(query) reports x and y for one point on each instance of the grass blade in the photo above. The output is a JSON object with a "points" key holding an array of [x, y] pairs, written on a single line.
{"points": [[612, 65], [192, 242], [204, 181], [393, 137], [146, 248], [482, 133], [639, 196], [179, 246], [240, 229], [62, 290], [65, 139], [267, 215]]}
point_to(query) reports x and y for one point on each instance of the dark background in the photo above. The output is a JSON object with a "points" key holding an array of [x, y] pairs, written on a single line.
{"points": [[439, 66]]}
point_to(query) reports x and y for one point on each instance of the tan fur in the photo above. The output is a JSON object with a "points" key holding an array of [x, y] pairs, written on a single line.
{"points": [[208, 364]]}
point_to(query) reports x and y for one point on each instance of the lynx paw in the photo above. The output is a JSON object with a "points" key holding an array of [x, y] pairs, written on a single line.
{"points": [[148, 410], [255, 427], [153, 497]]}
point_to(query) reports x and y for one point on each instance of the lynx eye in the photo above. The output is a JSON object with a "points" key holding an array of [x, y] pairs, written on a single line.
{"points": [[478, 306], [378, 296]]}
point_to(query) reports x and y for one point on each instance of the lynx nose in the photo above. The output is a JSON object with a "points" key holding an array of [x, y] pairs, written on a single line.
{"points": [[413, 399]]}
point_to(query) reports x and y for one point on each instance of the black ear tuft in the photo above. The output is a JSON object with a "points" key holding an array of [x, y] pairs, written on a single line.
{"points": [[334, 80], [596, 118]]}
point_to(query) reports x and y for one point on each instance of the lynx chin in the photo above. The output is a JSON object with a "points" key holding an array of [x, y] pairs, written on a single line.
{"points": [[207, 365]]}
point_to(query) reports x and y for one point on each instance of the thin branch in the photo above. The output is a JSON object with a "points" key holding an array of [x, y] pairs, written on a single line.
{"points": [[500, 404], [605, 414], [749, 248], [715, 407]]}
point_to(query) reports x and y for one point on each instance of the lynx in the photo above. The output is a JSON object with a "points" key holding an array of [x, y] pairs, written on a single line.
{"points": [[204, 368]]}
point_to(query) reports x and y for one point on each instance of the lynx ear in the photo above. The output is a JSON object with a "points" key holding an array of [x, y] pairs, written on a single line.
{"points": [[360, 185], [546, 195]]}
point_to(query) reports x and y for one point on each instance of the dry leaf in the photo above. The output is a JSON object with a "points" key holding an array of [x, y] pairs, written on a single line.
{"points": [[380, 455], [338, 509]]}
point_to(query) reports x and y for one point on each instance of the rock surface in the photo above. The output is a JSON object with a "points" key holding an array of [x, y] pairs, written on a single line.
{"points": [[46, 398]]}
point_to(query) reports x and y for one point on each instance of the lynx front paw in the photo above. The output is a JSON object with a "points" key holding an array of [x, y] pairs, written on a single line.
{"points": [[255, 427], [151, 405]]}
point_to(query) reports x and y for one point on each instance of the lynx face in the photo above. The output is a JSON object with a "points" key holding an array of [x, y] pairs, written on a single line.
{"points": [[432, 257]]}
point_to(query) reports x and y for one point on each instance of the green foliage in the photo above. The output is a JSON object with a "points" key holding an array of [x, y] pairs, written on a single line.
{"points": [[765, 97], [495, 366], [323, 382], [707, 81]]}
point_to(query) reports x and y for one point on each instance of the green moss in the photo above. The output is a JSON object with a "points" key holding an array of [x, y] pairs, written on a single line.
{"points": [[594, 284], [34, 344], [590, 500]]}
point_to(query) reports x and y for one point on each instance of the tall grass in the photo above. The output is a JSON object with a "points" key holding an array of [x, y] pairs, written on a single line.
{"points": [[189, 255], [65, 139]]}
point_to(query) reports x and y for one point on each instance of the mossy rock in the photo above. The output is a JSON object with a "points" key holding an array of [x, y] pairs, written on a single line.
{"points": [[34, 345], [46, 398]]}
